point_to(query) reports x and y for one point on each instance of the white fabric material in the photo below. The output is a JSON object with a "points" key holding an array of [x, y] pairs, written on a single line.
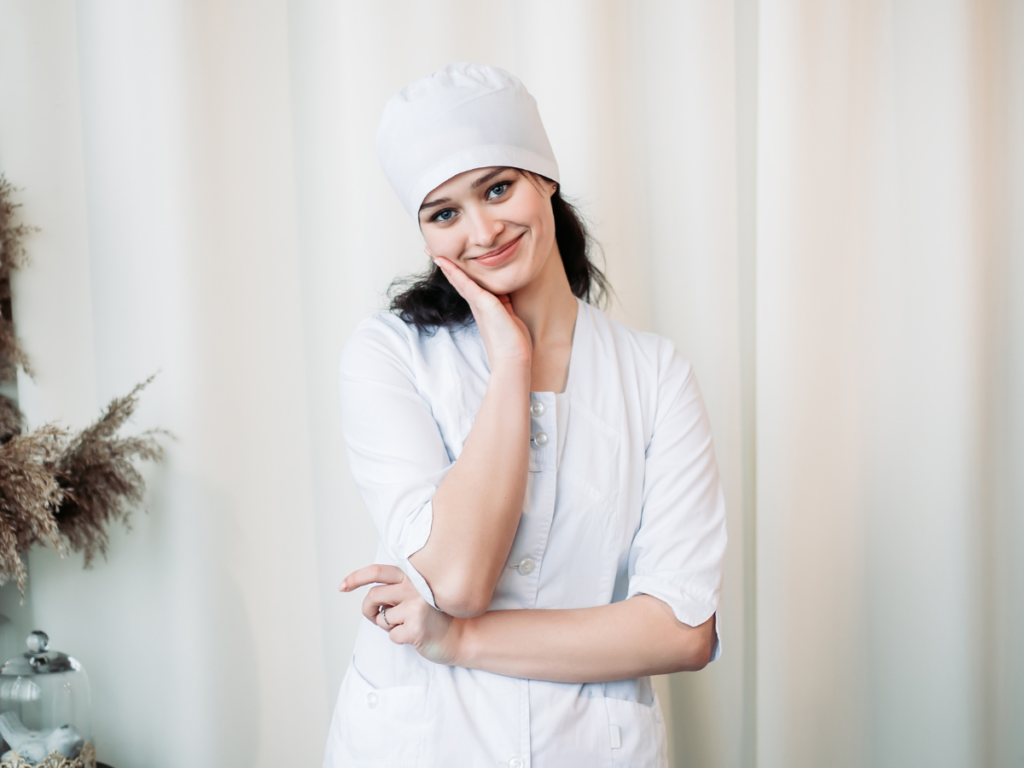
{"points": [[464, 116], [635, 507], [818, 203], [562, 421]]}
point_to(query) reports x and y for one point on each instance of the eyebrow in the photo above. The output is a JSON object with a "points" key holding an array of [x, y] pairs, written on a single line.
{"points": [[484, 179], [479, 182]]}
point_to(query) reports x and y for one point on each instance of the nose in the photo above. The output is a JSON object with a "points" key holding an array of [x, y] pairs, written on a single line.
{"points": [[485, 229]]}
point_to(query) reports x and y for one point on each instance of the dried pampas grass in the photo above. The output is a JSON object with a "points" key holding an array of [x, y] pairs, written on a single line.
{"points": [[57, 487], [11, 420], [98, 478], [12, 232], [12, 256], [29, 492]]}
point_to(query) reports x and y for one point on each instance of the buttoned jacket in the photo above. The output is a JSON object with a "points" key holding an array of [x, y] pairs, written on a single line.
{"points": [[626, 501]]}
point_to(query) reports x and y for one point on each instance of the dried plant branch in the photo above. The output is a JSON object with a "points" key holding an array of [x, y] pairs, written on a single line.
{"points": [[12, 233], [29, 493], [98, 477], [12, 256], [11, 419], [56, 487], [11, 354]]}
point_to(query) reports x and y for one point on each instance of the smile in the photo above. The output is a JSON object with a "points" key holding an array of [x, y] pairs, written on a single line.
{"points": [[499, 255]]}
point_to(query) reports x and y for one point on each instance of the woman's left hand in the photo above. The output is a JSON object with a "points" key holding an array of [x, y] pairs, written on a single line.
{"points": [[396, 607]]}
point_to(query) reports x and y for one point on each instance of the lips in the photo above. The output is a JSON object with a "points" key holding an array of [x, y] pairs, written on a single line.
{"points": [[499, 255]]}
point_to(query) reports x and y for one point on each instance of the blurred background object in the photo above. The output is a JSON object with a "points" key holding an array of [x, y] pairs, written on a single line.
{"points": [[820, 203], [45, 709]]}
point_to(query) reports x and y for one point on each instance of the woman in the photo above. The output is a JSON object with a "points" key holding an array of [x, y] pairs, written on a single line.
{"points": [[542, 478]]}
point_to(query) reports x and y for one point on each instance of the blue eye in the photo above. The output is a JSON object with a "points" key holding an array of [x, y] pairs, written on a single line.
{"points": [[498, 189], [445, 215]]}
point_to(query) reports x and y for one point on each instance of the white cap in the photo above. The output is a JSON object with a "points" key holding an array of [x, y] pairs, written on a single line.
{"points": [[462, 117]]}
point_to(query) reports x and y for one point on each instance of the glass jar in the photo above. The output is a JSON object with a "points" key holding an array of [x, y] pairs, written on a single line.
{"points": [[44, 710]]}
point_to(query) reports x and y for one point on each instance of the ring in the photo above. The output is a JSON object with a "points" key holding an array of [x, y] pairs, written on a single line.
{"points": [[384, 615]]}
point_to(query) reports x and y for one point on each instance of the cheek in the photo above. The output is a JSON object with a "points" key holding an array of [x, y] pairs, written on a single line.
{"points": [[542, 229], [443, 242], [535, 212]]}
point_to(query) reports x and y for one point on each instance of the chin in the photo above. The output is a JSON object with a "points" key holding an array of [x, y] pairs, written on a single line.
{"points": [[503, 282], [500, 286]]}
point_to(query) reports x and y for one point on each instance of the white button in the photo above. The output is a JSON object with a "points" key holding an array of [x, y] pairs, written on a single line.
{"points": [[541, 438], [537, 408], [526, 566], [515, 762], [371, 700], [615, 736]]}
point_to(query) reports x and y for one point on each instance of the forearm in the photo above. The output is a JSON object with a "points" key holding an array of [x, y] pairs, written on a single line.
{"points": [[477, 507], [632, 638]]}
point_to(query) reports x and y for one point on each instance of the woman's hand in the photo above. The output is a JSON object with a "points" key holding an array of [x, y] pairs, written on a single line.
{"points": [[506, 337], [398, 609]]}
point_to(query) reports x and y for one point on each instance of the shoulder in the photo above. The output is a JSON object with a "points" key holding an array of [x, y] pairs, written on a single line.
{"points": [[381, 329], [652, 356], [384, 338], [380, 337]]}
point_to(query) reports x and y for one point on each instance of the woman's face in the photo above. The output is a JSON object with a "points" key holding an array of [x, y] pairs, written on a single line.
{"points": [[494, 223]]}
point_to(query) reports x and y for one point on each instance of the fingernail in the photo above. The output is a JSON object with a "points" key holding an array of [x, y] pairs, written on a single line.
{"points": [[343, 586]]}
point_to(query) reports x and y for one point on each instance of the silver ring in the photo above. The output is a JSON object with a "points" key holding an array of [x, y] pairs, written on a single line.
{"points": [[384, 615]]}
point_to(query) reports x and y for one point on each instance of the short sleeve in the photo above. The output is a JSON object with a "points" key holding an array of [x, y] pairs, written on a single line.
{"points": [[394, 446], [677, 554]]}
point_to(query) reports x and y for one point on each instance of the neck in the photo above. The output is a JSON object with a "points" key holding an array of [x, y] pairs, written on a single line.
{"points": [[547, 305]]}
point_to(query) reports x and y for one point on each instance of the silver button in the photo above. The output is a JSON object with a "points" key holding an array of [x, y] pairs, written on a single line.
{"points": [[371, 700], [541, 438], [516, 762], [537, 408], [526, 566]]}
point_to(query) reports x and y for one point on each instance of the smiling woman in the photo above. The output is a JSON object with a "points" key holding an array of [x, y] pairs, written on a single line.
{"points": [[551, 521], [431, 301]]}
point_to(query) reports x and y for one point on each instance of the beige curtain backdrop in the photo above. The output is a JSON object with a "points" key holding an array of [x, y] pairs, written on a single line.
{"points": [[819, 202]]}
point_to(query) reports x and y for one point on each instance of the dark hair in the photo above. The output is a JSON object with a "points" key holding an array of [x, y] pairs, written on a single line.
{"points": [[429, 301]]}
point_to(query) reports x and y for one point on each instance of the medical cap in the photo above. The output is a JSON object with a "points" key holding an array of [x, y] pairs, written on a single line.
{"points": [[462, 117]]}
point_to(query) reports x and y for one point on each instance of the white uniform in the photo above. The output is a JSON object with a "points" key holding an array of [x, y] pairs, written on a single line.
{"points": [[632, 505]]}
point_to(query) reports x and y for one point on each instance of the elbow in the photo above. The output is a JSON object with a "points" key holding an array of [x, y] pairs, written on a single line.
{"points": [[456, 586], [699, 657], [695, 648], [461, 607], [463, 600], [691, 658], [701, 646]]}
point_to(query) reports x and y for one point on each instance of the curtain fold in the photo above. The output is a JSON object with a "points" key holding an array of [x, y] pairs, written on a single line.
{"points": [[818, 203]]}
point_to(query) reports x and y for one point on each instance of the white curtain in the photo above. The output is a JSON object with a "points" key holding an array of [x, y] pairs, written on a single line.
{"points": [[819, 202]]}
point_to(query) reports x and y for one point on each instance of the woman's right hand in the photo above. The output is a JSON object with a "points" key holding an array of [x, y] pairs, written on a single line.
{"points": [[506, 337]]}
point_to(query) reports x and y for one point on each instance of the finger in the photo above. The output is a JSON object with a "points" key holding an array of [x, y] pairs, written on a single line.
{"points": [[391, 617], [466, 287], [372, 574], [391, 594], [506, 302], [401, 635]]}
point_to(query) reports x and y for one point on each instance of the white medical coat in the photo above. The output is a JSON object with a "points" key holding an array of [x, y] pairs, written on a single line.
{"points": [[634, 506]]}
